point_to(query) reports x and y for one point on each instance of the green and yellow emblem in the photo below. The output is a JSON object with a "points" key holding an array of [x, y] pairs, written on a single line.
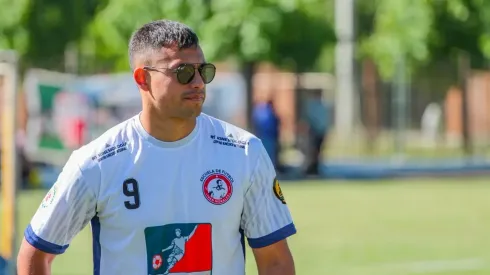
{"points": [[277, 191]]}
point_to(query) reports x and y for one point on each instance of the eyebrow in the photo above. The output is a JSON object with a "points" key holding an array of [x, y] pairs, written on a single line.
{"points": [[174, 66]]}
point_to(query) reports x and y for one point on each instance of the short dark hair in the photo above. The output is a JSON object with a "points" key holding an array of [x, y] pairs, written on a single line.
{"points": [[158, 34]]}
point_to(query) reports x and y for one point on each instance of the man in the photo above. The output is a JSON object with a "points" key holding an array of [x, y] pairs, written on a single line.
{"points": [[266, 125], [153, 173], [317, 117], [178, 248]]}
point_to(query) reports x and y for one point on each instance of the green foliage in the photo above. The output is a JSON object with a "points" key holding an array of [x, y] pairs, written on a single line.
{"points": [[52, 25], [304, 40], [293, 34], [112, 27], [401, 28], [484, 15], [12, 35], [244, 30], [423, 31], [461, 25]]}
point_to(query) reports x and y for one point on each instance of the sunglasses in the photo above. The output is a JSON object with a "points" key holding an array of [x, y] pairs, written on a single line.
{"points": [[185, 72]]}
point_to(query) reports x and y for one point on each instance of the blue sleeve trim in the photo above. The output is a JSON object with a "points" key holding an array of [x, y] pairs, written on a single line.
{"points": [[273, 237], [41, 244]]}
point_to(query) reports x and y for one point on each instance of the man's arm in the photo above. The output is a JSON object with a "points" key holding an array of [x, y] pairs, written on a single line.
{"points": [[169, 247], [33, 261], [66, 209], [192, 233], [275, 259], [266, 219]]}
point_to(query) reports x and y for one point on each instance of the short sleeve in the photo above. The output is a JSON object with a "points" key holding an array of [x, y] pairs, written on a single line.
{"points": [[266, 218], [66, 209]]}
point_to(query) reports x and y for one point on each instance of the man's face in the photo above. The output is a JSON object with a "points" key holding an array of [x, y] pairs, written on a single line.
{"points": [[167, 94], [177, 233]]}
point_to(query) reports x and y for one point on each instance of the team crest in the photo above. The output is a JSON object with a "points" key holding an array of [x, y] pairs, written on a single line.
{"points": [[49, 198], [217, 186], [277, 191], [184, 248]]}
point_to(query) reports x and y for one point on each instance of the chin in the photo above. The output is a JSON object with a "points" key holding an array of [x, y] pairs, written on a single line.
{"points": [[193, 113], [197, 107], [197, 112]]}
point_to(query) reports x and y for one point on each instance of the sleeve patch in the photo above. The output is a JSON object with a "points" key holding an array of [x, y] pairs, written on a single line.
{"points": [[277, 191], [49, 198]]}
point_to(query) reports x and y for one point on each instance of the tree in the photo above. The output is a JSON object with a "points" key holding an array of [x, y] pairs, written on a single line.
{"points": [[291, 34], [12, 35], [401, 29], [292, 37], [423, 31], [431, 36], [51, 26], [459, 25], [243, 30], [460, 38]]}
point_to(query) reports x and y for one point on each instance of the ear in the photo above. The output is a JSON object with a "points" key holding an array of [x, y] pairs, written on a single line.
{"points": [[141, 77]]}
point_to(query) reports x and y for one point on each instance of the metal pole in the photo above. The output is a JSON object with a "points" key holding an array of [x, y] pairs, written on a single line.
{"points": [[344, 68], [10, 172]]}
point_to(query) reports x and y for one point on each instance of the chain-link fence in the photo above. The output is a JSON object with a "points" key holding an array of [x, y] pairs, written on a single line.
{"points": [[439, 110]]}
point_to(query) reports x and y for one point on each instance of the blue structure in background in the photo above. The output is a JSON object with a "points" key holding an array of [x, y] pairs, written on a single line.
{"points": [[384, 168], [3, 266]]}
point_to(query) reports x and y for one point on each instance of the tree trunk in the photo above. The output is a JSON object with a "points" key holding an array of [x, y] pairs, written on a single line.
{"points": [[371, 99], [248, 69], [464, 69]]}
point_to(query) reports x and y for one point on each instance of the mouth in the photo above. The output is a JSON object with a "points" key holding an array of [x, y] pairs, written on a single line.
{"points": [[194, 97]]}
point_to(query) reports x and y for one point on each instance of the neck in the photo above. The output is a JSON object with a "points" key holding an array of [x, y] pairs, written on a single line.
{"points": [[166, 129]]}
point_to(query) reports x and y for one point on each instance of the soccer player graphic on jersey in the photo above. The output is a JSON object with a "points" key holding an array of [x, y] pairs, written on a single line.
{"points": [[178, 248], [219, 187]]}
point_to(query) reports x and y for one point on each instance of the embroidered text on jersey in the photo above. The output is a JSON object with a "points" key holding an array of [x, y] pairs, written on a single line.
{"points": [[110, 151], [229, 141]]}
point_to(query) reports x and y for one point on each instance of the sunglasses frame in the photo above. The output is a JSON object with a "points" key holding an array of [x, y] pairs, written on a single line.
{"points": [[199, 66]]}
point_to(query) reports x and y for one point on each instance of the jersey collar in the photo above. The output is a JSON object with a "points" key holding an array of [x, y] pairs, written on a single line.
{"points": [[164, 144]]}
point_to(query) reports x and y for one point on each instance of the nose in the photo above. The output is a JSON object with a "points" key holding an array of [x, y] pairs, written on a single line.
{"points": [[197, 82]]}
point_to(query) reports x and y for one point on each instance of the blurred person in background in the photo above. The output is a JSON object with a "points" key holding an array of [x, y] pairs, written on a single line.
{"points": [[317, 118], [266, 126], [169, 167]]}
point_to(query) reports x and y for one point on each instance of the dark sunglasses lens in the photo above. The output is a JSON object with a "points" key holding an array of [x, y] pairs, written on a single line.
{"points": [[207, 71], [185, 73]]}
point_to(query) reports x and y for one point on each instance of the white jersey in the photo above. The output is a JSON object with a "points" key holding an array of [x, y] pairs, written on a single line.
{"points": [[166, 207]]}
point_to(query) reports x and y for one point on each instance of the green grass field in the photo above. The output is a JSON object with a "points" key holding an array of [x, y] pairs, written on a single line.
{"points": [[417, 226]]}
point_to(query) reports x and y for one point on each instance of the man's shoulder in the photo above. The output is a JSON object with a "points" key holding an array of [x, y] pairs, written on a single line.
{"points": [[110, 143], [216, 126], [222, 131]]}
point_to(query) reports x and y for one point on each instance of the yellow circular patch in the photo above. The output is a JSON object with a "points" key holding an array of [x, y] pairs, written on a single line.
{"points": [[278, 192]]}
